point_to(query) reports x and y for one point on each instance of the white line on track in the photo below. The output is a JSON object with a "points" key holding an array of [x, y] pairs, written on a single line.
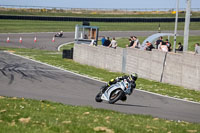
{"points": [[33, 32], [100, 80], [43, 70], [63, 45]]}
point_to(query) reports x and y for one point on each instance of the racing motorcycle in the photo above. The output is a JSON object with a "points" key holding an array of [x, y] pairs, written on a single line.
{"points": [[115, 92]]}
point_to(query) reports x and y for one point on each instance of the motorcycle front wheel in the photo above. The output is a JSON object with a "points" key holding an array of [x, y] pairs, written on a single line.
{"points": [[98, 97], [114, 97]]}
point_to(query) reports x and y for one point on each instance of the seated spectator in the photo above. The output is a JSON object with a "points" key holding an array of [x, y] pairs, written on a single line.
{"points": [[136, 43], [180, 47], [197, 48], [163, 47], [148, 46], [168, 45], [103, 39], [131, 42], [113, 43], [157, 43], [85, 36], [107, 42], [59, 34]]}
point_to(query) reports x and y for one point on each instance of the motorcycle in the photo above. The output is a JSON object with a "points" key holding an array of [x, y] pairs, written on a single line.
{"points": [[60, 34], [115, 92]]}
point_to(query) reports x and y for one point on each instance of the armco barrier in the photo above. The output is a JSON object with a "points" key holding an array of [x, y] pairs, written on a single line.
{"points": [[178, 69], [80, 19]]}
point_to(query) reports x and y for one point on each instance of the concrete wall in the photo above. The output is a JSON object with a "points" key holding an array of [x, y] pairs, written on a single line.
{"points": [[183, 69], [148, 64], [178, 69], [101, 57]]}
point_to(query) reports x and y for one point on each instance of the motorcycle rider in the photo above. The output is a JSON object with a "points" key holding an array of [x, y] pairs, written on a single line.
{"points": [[59, 34], [129, 78]]}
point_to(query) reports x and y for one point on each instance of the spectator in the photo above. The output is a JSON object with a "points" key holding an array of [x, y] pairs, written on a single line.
{"points": [[180, 47], [103, 39], [163, 47], [131, 42], [168, 45], [158, 42], [148, 46], [113, 43], [107, 42], [197, 48], [136, 43], [85, 36]]}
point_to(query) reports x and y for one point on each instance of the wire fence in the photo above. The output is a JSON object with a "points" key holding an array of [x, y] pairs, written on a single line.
{"points": [[99, 9]]}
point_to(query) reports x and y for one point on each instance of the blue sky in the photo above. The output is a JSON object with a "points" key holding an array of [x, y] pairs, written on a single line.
{"points": [[102, 3]]}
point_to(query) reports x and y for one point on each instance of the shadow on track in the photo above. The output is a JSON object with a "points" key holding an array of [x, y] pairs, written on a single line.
{"points": [[132, 105]]}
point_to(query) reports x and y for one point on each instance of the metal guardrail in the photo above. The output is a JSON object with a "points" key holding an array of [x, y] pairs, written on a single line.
{"points": [[80, 19]]}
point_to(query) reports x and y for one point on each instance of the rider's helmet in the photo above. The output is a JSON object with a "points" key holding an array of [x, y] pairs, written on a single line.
{"points": [[134, 76]]}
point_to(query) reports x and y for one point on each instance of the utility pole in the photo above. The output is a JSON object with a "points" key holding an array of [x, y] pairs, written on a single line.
{"points": [[187, 25], [176, 23]]}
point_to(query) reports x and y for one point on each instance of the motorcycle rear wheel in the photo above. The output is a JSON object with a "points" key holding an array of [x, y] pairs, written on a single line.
{"points": [[98, 97], [115, 97]]}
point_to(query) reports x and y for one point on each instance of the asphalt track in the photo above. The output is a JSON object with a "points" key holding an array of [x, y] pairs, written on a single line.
{"points": [[20, 77], [44, 40]]}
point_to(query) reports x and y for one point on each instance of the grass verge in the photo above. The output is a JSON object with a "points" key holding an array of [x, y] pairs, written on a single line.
{"points": [[104, 75], [67, 46], [122, 42], [20, 26], [25, 115]]}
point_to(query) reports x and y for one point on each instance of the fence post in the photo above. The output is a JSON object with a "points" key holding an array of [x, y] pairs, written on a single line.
{"points": [[124, 54], [163, 69]]}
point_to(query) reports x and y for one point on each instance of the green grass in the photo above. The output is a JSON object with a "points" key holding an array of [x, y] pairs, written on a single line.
{"points": [[104, 75], [122, 42], [68, 46], [191, 43], [19, 115], [20, 26]]}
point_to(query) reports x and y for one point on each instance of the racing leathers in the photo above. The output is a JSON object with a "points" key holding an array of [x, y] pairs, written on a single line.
{"points": [[118, 79]]}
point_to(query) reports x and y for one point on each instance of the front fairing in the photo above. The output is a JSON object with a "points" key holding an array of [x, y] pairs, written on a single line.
{"points": [[107, 93]]}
